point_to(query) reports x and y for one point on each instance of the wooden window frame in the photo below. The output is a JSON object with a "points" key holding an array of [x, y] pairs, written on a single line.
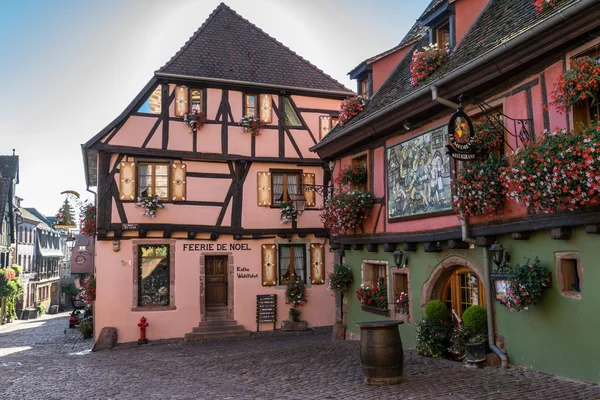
{"points": [[172, 249], [139, 163], [284, 172], [292, 267], [581, 112], [455, 297], [408, 318], [203, 101], [564, 287], [440, 29], [283, 107], [373, 264], [356, 158], [256, 104]]}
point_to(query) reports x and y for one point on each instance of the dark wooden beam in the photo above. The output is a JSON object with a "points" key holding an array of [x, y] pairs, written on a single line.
{"points": [[563, 233], [346, 247], [592, 229], [372, 247], [406, 246], [525, 235], [165, 114], [304, 124], [103, 206], [208, 175], [142, 233], [545, 112], [389, 247], [357, 247], [152, 131], [201, 203], [214, 236], [224, 122], [166, 234], [191, 235], [484, 241], [115, 195], [432, 247], [457, 244], [281, 137]]}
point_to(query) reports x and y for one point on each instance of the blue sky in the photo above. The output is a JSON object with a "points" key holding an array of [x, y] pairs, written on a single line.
{"points": [[69, 67]]}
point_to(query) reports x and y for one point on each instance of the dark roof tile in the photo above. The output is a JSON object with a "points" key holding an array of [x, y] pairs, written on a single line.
{"points": [[9, 167], [5, 184]]}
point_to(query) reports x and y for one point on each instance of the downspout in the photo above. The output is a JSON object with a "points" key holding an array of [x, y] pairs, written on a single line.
{"points": [[489, 302]]}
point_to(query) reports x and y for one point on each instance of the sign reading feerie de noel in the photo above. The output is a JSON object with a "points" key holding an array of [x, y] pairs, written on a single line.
{"points": [[216, 246]]}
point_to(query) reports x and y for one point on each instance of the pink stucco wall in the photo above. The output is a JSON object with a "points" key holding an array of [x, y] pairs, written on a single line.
{"points": [[115, 292], [383, 67], [466, 12]]}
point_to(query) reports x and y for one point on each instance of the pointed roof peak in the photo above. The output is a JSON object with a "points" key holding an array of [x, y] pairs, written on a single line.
{"points": [[229, 47]]}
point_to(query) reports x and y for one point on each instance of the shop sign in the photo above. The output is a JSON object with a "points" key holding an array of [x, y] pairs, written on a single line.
{"points": [[460, 137]]}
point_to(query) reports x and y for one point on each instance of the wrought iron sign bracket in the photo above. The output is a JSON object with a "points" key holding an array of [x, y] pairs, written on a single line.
{"points": [[322, 190]]}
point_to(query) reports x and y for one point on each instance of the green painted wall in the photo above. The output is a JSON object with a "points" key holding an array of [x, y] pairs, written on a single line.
{"points": [[556, 336]]}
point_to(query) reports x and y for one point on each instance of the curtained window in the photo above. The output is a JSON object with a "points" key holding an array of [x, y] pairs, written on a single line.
{"points": [[292, 263], [284, 186], [153, 180]]}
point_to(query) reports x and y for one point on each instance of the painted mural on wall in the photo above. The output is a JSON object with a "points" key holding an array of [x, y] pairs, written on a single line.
{"points": [[419, 175]]}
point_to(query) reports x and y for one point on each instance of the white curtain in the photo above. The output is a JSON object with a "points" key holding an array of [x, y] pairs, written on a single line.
{"points": [[299, 262], [292, 183], [145, 180], [284, 261], [277, 188]]}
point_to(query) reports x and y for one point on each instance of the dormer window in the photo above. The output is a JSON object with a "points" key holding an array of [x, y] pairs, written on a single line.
{"points": [[441, 24], [364, 88]]}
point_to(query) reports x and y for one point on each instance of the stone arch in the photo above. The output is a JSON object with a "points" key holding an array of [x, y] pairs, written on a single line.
{"points": [[433, 286]]}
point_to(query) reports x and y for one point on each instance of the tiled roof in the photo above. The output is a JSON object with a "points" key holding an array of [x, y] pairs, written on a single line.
{"points": [[432, 6], [9, 167], [499, 21], [29, 216], [5, 184], [229, 47]]}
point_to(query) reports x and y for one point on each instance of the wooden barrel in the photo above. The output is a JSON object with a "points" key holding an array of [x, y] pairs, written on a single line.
{"points": [[381, 356]]}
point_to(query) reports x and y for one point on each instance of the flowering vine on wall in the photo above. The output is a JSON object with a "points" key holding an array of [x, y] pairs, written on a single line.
{"points": [[88, 219], [577, 84], [350, 108], [526, 284], [426, 61]]}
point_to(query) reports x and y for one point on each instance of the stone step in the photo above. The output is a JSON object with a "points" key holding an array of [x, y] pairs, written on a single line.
{"points": [[220, 322], [215, 335], [218, 328]]}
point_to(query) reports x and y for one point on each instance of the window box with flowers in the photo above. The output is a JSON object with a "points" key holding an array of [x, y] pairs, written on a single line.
{"points": [[150, 204], [350, 108], [288, 212], [252, 124], [373, 300], [525, 286], [577, 84], [427, 61], [557, 173], [194, 119], [479, 188], [345, 211], [354, 175]]}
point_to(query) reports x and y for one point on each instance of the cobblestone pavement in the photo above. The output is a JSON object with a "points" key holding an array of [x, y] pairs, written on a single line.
{"points": [[37, 362]]}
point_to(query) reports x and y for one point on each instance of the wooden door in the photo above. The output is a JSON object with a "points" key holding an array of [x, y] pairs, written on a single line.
{"points": [[462, 290], [216, 281]]}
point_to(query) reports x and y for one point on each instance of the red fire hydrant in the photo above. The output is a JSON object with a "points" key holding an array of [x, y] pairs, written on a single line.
{"points": [[143, 325]]}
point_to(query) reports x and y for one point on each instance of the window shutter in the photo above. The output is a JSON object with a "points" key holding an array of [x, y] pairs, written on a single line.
{"points": [[308, 179], [181, 100], [127, 180], [263, 182], [324, 126], [317, 263], [178, 183], [266, 108], [269, 264]]}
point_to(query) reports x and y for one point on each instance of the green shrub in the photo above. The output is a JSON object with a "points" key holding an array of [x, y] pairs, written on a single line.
{"points": [[436, 311], [433, 338], [41, 310], [460, 336], [294, 315], [70, 290], [86, 327], [475, 319]]}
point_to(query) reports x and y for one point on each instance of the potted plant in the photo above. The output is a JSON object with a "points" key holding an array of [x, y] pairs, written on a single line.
{"points": [[475, 321], [295, 294], [194, 119], [426, 61], [252, 124], [401, 303], [288, 212], [151, 204], [350, 108], [525, 286], [354, 175], [86, 327], [433, 332], [89, 289], [344, 211], [338, 283]]}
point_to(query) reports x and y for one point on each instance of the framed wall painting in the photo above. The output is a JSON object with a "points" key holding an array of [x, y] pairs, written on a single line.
{"points": [[418, 176]]}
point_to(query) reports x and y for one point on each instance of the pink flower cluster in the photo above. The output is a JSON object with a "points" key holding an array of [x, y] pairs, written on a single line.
{"points": [[543, 5], [344, 211], [350, 108], [427, 61]]}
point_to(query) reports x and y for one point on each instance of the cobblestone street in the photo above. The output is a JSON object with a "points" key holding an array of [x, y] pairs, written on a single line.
{"points": [[38, 360]]}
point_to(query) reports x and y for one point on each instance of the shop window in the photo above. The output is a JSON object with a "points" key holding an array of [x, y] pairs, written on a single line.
{"points": [[364, 160], [290, 117], [374, 273], [152, 105], [292, 263], [154, 275], [569, 274], [285, 185], [153, 180], [326, 123]]}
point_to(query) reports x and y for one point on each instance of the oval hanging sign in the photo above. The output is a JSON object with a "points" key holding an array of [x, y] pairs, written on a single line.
{"points": [[460, 136]]}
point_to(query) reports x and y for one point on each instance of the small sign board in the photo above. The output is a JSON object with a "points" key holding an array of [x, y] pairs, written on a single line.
{"points": [[266, 309], [129, 227]]}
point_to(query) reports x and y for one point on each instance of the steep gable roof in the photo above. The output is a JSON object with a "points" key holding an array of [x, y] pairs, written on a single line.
{"points": [[230, 47], [9, 167], [5, 184], [499, 22]]}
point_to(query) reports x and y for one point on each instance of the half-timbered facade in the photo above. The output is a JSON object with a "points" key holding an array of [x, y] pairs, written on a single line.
{"points": [[505, 59], [219, 241]]}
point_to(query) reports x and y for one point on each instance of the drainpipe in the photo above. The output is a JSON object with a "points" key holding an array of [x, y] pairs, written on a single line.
{"points": [[489, 303]]}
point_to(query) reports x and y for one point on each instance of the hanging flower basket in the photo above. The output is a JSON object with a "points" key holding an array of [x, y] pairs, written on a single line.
{"points": [[288, 212], [486, 136], [561, 172], [89, 290], [479, 188], [354, 175], [350, 108], [526, 284], [88, 219], [344, 211], [543, 5], [577, 84], [195, 120], [150, 204], [426, 61], [295, 293], [252, 124], [340, 279]]}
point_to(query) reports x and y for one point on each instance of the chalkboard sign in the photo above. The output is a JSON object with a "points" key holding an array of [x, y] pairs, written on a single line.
{"points": [[266, 309]]}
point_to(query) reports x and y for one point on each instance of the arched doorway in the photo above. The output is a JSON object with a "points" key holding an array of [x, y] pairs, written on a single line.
{"points": [[462, 288]]}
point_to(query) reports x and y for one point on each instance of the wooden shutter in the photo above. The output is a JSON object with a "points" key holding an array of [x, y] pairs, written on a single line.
{"points": [[266, 108], [368, 272], [127, 180], [324, 126], [269, 264], [178, 182], [181, 100], [317, 263], [263, 182], [309, 191]]}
